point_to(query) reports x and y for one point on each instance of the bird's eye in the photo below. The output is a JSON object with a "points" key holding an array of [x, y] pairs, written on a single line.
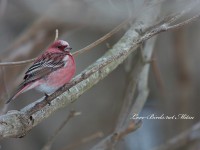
{"points": [[59, 47]]}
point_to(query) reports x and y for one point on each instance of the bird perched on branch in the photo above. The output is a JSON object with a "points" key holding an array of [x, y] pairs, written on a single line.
{"points": [[54, 68]]}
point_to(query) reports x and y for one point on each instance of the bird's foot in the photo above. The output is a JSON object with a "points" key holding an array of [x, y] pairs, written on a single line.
{"points": [[46, 98]]}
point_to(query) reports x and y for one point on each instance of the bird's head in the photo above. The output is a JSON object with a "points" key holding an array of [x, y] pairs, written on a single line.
{"points": [[61, 45]]}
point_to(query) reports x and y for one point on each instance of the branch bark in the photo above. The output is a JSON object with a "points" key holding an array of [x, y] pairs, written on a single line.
{"points": [[18, 123], [140, 80], [72, 14]]}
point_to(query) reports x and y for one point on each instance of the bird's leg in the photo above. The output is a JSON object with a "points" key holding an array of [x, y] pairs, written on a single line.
{"points": [[46, 95], [46, 98], [68, 87]]}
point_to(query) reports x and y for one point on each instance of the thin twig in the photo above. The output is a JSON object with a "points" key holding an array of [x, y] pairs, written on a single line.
{"points": [[6, 95], [15, 63], [50, 141], [162, 28], [83, 141], [18, 123], [184, 23], [129, 93], [83, 50], [141, 80], [142, 85], [182, 139], [56, 36], [108, 142], [102, 39], [132, 126], [4, 82], [158, 76], [166, 27]]}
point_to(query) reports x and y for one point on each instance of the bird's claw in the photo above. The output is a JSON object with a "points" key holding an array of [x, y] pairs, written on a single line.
{"points": [[46, 95], [46, 98]]}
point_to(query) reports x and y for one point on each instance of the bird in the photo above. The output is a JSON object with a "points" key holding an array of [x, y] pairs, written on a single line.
{"points": [[52, 69]]}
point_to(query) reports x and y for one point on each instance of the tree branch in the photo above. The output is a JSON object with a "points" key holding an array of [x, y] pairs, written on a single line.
{"points": [[81, 51], [4, 107], [82, 141], [50, 141], [140, 80], [182, 139], [108, 142], [18, 123]]}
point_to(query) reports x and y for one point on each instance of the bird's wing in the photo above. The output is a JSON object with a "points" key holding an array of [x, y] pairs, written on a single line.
{"points": [[43, 66]]}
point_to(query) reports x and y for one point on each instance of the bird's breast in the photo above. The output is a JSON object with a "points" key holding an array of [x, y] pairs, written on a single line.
{"points": [[59, 77]]}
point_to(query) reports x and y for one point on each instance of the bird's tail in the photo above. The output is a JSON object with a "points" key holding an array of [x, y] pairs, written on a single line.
{"points": [[22, 88], [16, 93]]}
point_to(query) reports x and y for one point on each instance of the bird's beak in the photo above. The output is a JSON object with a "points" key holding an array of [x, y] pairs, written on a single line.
{"points": [[68, 48]]}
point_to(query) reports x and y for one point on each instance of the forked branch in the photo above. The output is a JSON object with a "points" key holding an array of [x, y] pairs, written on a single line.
{"points": [[18, 123]]}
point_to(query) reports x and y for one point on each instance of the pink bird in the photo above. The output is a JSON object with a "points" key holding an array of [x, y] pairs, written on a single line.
{"points": [[54, 68]]}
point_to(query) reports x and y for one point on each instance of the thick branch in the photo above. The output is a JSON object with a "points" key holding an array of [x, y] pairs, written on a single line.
{"points": [[17, 123], [140, 78]]}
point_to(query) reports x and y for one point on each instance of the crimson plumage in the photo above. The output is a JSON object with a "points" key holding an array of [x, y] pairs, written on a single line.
{"points": [[54, 68]]}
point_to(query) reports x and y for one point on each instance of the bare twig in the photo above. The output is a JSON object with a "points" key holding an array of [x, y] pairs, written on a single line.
{"points": [[184, 23], [102, 39], [108, 142], [140, 78], [142, 86], [160, 28], [56, 36], [4, 107], [182, 139], [166, 27], [158, 76], [17, 123], [4, 82], [15, 63], [50, 141], [129, 93], [41, 33], [139, 72], [83, 50], [83, 141], [132, 126]]}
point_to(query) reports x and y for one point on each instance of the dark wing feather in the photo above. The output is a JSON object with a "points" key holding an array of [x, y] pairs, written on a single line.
{"points": [[43, 66]]}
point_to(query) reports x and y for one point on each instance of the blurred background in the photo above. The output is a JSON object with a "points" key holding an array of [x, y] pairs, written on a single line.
{"points": [[27, 27]]}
